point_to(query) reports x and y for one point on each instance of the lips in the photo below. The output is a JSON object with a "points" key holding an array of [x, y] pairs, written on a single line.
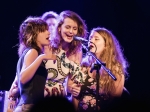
{"points": [[69, 36], [91, 46], [47, 38]]}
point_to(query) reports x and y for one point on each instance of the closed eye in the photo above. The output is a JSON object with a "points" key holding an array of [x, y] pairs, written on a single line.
{"points": [[67, 27]]}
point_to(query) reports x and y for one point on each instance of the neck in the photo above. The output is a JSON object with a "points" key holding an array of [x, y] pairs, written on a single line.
{"points": [[97, 55], [40, 46], [65, 46]]}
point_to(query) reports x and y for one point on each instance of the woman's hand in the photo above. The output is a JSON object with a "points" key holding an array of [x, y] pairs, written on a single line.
{"points": [[48, 55], [11, 104], [75, 90], [13, 92]]}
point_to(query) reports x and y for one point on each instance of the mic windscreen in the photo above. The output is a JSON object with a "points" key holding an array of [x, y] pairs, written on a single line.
{"points": [[80, 39]]}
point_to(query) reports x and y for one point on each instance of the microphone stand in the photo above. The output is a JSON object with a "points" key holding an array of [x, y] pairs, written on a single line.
{"points": [[97, 67]]}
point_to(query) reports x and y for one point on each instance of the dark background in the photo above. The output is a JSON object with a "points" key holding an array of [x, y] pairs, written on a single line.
{"points": [[127, 19]]}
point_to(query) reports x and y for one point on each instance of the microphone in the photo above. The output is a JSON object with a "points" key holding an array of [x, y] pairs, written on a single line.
{"points": [[80, 39]]}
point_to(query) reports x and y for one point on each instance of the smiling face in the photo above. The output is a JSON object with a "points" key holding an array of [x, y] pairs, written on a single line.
{"points": [[97, 43], [68, 29]]}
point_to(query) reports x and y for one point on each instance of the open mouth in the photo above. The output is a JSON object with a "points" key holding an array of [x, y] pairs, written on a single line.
{"points": [[47, 38], [91, 46], [69, 36]]}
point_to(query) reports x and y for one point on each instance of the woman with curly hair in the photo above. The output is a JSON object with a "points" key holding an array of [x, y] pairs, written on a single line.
{"points": [[68, 51]]}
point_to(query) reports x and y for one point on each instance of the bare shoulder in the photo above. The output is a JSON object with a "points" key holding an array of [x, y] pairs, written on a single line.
{"points": [[31, 54], [32, 51]]}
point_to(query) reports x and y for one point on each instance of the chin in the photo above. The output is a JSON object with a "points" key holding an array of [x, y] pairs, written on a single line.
{"points": [[47, 43], [92, 51], [68, 41]]}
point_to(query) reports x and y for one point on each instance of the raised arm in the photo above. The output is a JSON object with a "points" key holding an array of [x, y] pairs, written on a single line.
{"points": [[31, 63]]}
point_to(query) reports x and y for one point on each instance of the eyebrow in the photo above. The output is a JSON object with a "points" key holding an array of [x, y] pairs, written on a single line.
{"points": [[94, 37], [71, 26]]}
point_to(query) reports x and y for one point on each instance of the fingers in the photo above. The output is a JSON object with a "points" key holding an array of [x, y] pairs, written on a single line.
{"points": [[12, 105], [75, 90], [45, 93], [53, 57], [48, 53], [9, 96]]}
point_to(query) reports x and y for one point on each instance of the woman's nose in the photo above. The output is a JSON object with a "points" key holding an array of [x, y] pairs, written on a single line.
{"points": [[92, 40], [49, 32], [71, 30]]}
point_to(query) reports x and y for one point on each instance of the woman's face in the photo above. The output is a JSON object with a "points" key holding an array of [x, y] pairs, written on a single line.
{"points": [[51, 23], [68, 29], [43, 38], [98, 40]]}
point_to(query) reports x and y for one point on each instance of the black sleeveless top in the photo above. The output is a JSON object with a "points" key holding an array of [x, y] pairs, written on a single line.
{"points": [[33, 90]]}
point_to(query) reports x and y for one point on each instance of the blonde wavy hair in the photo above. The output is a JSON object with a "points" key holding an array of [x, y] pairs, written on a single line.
{"points": [[112, 56]]}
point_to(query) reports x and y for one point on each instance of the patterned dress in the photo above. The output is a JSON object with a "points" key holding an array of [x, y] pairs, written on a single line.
{"points": [[57, 73], [87, 96]]}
